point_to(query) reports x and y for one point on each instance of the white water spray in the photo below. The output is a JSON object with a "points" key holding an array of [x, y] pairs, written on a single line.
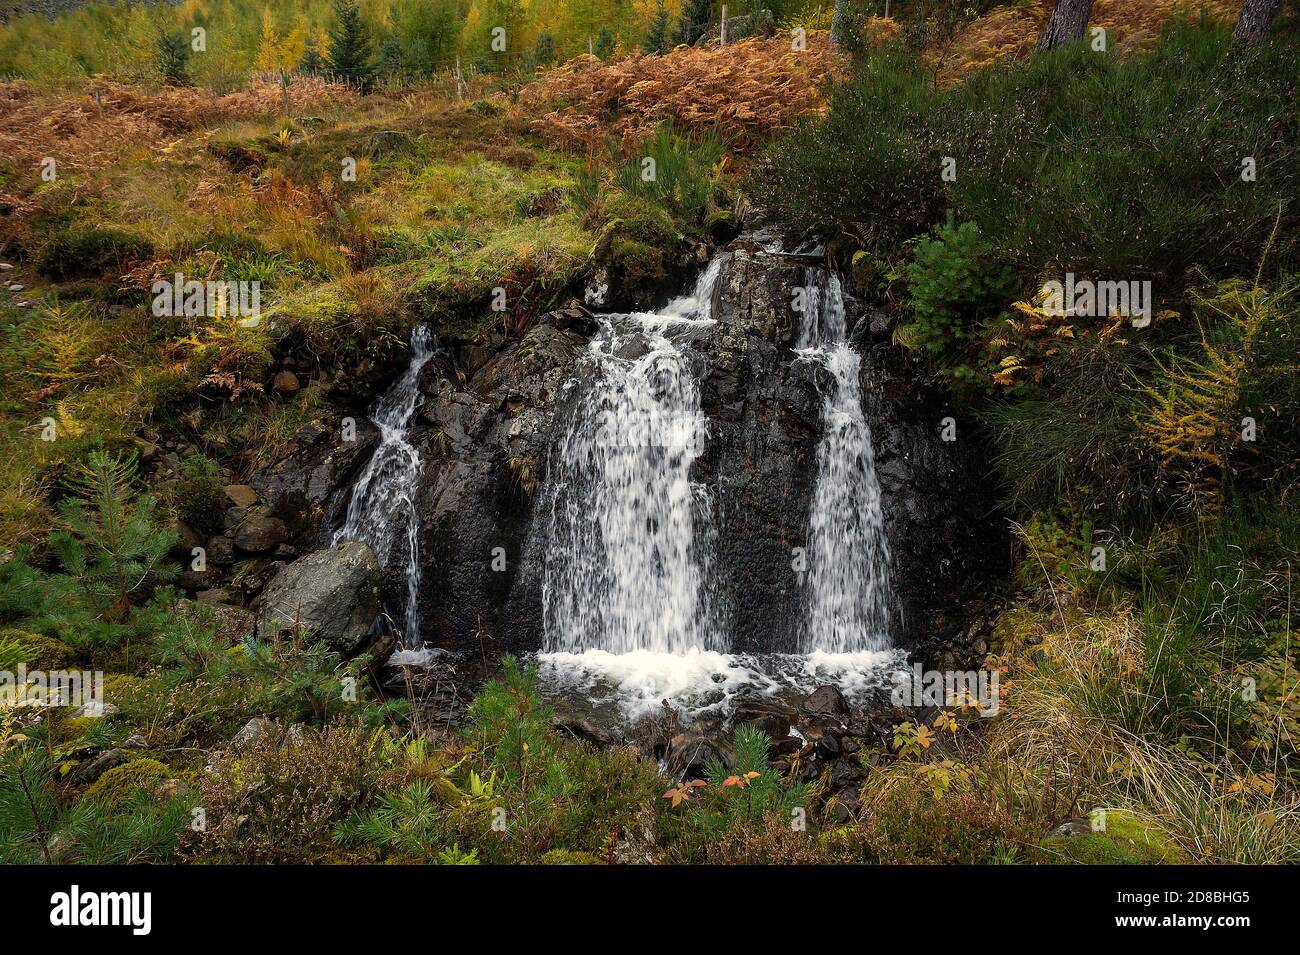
{"points": [[630, 534], [848, 583], [383, 500]]}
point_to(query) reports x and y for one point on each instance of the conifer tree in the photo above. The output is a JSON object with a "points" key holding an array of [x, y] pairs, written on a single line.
{"points": [[348, 56], [656, 39], [694, 21]]}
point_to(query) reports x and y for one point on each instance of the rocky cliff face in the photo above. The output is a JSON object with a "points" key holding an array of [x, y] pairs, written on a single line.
{"points": [[491, 417]]}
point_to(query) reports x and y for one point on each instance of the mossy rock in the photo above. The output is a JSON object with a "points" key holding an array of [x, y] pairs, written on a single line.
{"points": [[642, 220], [81, 251], [721, 225], [38, 651], [125, 783], [567, 857], [1126, 840]]}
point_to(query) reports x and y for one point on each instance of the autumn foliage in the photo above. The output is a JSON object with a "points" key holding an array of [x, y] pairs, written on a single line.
{"points": [[745, 91], [1011, 31]]}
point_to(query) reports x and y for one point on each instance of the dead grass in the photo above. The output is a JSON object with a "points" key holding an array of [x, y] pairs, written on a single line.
{"points": [[744, 92], [1012, 32]]}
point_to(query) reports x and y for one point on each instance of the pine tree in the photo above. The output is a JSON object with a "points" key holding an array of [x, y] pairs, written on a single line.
{"points": [[111, 543], [348, 56], [605, 43], [312, 63], [656, 40], [173, 57]]}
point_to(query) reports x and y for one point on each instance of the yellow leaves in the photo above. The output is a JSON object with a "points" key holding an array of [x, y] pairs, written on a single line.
{"points": [[944, 720], [741, 781], [682, 793]]}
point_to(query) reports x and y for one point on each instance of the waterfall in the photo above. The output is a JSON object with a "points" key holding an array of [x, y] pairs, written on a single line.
{"points": [[383, 500], [630, 532], [847, 585]]}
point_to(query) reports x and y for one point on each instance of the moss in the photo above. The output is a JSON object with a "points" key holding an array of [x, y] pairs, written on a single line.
{"points": [[642, 220], [1126, 840], [80, 251], [122, 784], [1014, 629], [38, 651], [566, 857]]}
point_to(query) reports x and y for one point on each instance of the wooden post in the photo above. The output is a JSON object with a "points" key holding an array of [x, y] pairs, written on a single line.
{"points": [[284, 91], [591, 51], [459, 92], [723, 35]]}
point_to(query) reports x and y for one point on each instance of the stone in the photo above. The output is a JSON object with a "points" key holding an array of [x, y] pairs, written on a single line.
{"points": [[260, 533], [241, 495], [98, 766], [285, 382], [97, 708], [332, 594], [221, 550], [135, 742], [257, 731], [828, 701]]}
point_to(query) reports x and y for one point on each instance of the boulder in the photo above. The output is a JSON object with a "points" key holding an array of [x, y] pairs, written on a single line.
{"points": [[241, 495], [826, 701], [333, 594], [259, 533]]}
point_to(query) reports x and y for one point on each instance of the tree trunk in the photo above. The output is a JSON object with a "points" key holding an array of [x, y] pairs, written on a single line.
{"points": [[1069, 22], [839, 22], [1252, 25]]}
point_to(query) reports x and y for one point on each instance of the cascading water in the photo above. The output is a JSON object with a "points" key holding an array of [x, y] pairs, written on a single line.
{"points": [[628, 617], [383, 499], [849, 563], [628, 557]]}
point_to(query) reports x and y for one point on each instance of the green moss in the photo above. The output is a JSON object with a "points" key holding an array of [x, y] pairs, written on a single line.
{"points": [[1014, 628], [566, 857], [1126, 840], [642, 220], [122, 784], [38, 651]]}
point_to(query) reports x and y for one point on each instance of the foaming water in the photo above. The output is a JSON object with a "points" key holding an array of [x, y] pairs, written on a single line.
{"points": [[848, 583], [630, 532], [382, 508], [707, 683]]}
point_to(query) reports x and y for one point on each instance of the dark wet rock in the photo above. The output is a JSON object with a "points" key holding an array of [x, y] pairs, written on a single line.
{"points": [[332, 594], [91, 771], [221, 550], [826, 701], [259, 532], [583, 729], [690, 752], [773, 717], [309, 487]]}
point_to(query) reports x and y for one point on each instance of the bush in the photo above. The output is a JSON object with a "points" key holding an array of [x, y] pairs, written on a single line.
{"points": [[955, 285], [280, 804], [200, 494], [80, 251], [1072, 160]]}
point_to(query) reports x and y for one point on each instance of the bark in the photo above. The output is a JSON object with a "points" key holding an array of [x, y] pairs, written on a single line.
{"points": [[1253, 24], [1069, 22], [839, 23]]}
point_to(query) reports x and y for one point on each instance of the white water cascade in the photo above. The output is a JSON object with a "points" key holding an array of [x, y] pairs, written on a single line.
{"points": [[628, 558], [848, 583], [382, 508]]}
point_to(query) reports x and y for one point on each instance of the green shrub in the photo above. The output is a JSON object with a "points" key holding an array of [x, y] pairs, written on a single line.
{"points": [[200, 493], [80, 251], [955, 284], [129, 782], [1073, 160]]}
